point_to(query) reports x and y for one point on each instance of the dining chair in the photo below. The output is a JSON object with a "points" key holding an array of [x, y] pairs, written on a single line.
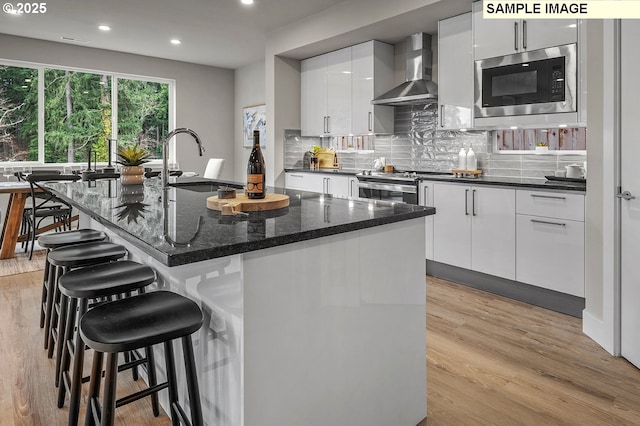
{"points": [[42, 200], [22, 177], [214, 168]]}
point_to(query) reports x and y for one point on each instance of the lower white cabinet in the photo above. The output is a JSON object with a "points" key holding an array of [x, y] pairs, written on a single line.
{"points": [[340, 185], [550, 244], [425, 198], [474, 228]]}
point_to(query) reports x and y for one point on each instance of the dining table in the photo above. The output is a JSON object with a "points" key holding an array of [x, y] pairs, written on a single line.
{"points": [[18, 194]]}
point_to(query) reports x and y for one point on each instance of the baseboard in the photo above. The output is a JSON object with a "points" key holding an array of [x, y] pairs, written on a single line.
{"points": [[596, 330], [538, 296]]}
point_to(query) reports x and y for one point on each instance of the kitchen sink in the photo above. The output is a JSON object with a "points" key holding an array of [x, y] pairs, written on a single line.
{"points": [[205, 186]]}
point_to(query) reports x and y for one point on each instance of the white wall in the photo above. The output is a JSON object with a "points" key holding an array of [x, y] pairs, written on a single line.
{"points": [[248, 90], [204, 95]]}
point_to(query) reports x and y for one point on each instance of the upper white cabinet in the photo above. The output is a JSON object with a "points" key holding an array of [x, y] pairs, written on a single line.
{"points": [[326, 94], [339, 92], [499, 37], [455, 73], [314, 96], [337, 89], [372, 75], [474, 228]]}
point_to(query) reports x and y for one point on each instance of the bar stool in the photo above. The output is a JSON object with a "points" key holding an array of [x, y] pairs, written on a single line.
{"points": [[50, 242], [97, 282], [65, 259], [133, 323]]}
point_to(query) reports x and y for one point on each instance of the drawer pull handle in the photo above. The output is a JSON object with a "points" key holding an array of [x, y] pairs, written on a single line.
{"points": [[300, 176], [548, 196], [548, 223]]}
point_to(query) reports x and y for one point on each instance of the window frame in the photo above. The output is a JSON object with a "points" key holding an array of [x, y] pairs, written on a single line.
{"points": [[115, 76]]}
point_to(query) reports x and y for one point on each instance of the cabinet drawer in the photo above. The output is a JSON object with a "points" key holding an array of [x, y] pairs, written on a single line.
{"points": [[550, 253], [558, 205]]}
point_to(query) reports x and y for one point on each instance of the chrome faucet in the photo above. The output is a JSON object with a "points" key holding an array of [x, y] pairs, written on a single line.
{"points": [[165, 151]]}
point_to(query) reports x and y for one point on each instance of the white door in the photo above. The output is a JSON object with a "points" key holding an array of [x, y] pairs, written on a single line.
{"points": [[313, 75], [339, 92], [494, 37], [542, 33], [630, 209], [452, 224], [493, 231]]}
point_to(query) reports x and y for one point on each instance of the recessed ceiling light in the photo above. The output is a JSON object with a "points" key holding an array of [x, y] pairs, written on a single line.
{"points": [[104, 28], [175, 41], [247, 2], [73, 39], [513, 127]]}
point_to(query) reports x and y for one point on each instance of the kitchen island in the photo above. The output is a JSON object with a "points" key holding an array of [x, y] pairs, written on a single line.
{"points": [[314, 313]]}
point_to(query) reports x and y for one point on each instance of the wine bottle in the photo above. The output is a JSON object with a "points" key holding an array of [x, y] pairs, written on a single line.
{"points": [[256, 170]]}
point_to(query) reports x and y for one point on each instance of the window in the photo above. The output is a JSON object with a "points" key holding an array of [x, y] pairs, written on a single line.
{"points": [[18, 114], [77, 116], [52, 115], [555, 139], [143, 114]]}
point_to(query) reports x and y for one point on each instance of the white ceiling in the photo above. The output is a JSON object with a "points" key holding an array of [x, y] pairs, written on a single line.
{"points": [[222, 33]]}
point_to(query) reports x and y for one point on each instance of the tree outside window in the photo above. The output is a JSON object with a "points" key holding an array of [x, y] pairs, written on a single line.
{"points": [[18, 114], [78, 115]]}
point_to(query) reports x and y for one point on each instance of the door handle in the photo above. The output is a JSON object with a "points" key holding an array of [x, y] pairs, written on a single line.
{"points": [[442, 115], [370, 121], [551, 197], [425, 200], [328, 124], [626, 195], [524, 35], [328, 185], [515, 35], [548, 223], [473, 202], [466, 202], [324, 123]]}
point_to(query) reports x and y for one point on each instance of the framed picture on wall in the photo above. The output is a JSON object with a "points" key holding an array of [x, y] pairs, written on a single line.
{"points": [[254, 118]]}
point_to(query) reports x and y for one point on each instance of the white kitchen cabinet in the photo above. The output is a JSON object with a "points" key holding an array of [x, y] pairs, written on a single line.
{"points": [[498, 37], [326, 94], [339, 92], [313, 103], [455, 73], [550, 240], [474, 228], [319, 182], [372, 75], [425, 198], [354, 190], [337, 89]]}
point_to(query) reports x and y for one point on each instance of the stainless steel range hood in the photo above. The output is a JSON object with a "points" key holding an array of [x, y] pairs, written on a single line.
{"points": [[418, 89]]}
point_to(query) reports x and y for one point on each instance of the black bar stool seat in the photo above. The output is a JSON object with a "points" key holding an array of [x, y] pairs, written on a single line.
{"points": [[106, 280], [136, 322], [79, 255], [53, 241], [65, 259], [66, 238]]}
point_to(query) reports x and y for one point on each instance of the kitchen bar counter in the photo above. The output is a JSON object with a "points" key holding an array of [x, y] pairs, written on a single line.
{"points": [[313, 314], [185, 231]]}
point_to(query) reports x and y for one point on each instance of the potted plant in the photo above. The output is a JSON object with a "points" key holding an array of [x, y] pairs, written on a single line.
{"points": [[131, 159], [542, 148]]}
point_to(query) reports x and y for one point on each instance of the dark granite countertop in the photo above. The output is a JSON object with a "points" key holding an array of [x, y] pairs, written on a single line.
{"points": [[202, 234], [524, 183], [350, 172], [482, 180]]}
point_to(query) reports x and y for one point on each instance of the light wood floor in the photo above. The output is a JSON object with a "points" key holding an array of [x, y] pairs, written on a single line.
{"points": [[490, 361]]}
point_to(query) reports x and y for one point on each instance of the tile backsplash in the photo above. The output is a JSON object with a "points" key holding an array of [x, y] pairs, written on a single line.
{"points": [[417, 145]]}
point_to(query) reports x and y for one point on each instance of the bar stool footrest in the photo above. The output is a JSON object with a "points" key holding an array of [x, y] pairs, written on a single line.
{"points": [[141, 394]]}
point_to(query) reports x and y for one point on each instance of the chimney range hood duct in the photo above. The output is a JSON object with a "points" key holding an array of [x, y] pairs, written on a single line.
{"points": [[418, 89]]}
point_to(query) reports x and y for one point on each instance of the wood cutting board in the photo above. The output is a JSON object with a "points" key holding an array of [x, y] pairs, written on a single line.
{"points": [[242, 203]]}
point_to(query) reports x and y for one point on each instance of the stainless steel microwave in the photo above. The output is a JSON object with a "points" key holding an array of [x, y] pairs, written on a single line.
{"points": [[536, 82]]}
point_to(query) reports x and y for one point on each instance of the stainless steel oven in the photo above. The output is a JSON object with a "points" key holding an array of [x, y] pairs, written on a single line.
{"points": [[388, 187], [536, 82]]}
